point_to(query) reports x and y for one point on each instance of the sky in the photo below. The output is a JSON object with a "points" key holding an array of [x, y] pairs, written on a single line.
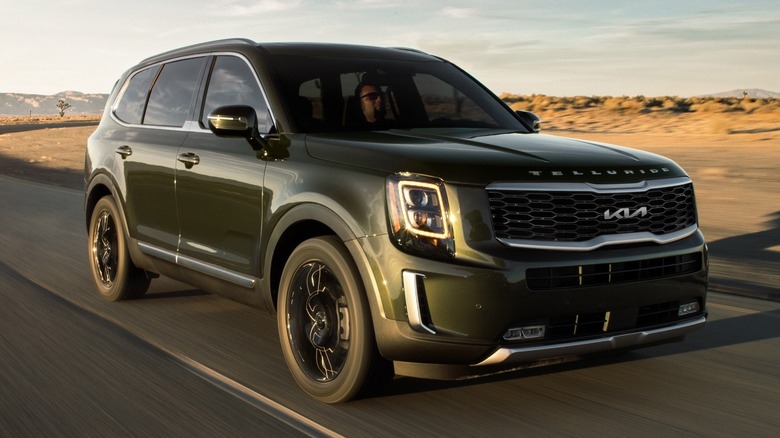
{"points": [[559, 48]]}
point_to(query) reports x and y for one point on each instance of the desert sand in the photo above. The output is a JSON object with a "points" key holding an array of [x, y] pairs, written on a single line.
{"points": [[732, 156]]}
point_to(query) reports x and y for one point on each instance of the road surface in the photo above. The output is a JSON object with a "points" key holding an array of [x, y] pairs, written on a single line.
{"points": [[184, 363]]}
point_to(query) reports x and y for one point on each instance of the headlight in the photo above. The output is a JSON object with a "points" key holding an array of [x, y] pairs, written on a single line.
{"points": [[419, 213]]}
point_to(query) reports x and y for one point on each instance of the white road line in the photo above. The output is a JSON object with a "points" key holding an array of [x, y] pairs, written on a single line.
{"points": [[254, 398], [732, 308], [767, 313]]}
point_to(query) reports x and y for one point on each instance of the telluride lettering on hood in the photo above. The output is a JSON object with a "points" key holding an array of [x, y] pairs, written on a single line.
{"points": [[650, 171], [393, 214]]}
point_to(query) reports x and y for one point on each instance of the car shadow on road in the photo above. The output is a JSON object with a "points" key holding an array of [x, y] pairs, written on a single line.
{"points": [[716, 334], [18, 168], [748, 264], [174, 294]]}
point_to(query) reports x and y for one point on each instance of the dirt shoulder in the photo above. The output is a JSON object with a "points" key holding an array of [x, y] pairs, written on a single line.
{"points": [[726, 154], [732, 159], [52, 155]]}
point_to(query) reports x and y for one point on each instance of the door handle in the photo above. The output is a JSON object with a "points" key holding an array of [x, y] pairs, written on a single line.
{"points": [[189, 159], [125, 151]]}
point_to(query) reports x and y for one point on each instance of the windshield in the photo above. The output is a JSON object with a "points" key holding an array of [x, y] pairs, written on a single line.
{"points": [[352, 94]]}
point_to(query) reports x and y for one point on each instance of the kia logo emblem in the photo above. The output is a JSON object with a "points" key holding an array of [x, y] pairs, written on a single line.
{"points": [[625, 213]]}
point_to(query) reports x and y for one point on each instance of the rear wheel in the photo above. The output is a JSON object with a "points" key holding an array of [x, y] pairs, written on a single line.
{"points": [[114, 274], [325, 326]]}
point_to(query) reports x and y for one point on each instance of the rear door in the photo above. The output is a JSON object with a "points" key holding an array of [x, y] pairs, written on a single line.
{"points": [[154, 107]]}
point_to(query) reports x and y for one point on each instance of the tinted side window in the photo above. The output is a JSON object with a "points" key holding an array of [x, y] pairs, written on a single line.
{"points": [[312, 91], [233, 83], [171, 97], [130, 108]]}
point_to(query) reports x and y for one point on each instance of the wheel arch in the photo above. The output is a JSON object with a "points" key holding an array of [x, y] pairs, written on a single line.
{"points": [[99, 186], [102, 185], [300, 223]]}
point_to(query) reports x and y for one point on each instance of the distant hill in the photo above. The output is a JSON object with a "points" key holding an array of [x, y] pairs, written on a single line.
{"points": [[15, 104], [755, 93]]}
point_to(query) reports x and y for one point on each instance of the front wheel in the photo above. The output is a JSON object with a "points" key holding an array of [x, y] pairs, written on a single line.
{"points": [[114, 274], [325, 326]]}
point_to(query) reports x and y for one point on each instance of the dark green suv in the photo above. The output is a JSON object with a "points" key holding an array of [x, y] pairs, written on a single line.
{"points": [[394, 214]]}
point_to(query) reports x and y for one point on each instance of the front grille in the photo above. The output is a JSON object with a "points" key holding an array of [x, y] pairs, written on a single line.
{"points": [[565, 277], [579, 216]]}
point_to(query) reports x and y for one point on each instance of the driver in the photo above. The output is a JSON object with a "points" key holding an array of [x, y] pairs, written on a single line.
{"points": [[372, 104]]}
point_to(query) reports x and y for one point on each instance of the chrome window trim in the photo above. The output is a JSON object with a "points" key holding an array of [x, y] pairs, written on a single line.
{"points": [[189, 125], [127, 83], [199, 128]]}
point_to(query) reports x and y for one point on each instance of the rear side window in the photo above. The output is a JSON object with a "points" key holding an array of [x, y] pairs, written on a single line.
{"points": [[233, 82], [173, 92], [130, 108]]}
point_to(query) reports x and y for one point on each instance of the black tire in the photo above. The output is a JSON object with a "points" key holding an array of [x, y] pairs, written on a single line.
{"points": [[325, 325], [114, 274]]}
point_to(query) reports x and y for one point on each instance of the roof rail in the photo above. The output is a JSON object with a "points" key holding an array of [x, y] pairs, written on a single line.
{"points": [[199, 46], [409, 49]]}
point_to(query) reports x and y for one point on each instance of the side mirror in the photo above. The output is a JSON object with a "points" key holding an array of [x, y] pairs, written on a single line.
{"points": [[234, 121], [530, 119]]}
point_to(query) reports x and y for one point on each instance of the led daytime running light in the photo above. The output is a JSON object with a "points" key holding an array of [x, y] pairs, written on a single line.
{"points": [[422, 204]]}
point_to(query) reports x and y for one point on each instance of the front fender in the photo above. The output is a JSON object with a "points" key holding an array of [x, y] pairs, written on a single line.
{"points": [[305, 221]]}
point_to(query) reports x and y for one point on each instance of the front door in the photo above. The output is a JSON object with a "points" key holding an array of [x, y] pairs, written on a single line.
{"points": [[219, 182], [220, 202]]}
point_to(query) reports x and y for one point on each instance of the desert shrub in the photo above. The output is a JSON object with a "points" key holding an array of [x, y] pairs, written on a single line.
{"points": [[611, 103], [751, 105], [624, 104], [710, 106], [540, 103], [520, 106], [580, 102], [511, 98], [653, 103], [768, 106], [533, 102], [634, 105], [676, 105], [542, 100]]}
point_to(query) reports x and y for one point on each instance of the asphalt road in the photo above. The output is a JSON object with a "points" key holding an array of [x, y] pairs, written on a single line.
{"points": [[184, 363]]}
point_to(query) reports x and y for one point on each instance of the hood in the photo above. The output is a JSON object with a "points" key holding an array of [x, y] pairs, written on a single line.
{"points": [[485, 156]]}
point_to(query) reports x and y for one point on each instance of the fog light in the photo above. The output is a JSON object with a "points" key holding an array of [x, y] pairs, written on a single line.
{"points": [[688, 308], [528, 332]]}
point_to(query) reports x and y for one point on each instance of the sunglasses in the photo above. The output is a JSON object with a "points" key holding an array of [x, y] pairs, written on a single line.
{"points": [[371, 96]]}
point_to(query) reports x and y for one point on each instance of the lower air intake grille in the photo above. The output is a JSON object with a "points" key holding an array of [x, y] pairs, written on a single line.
{"points": [[590, 325], [565, 277]]}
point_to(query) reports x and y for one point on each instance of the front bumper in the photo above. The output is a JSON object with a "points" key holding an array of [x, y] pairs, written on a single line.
{"points": [[437, 312], [523, 354]]}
